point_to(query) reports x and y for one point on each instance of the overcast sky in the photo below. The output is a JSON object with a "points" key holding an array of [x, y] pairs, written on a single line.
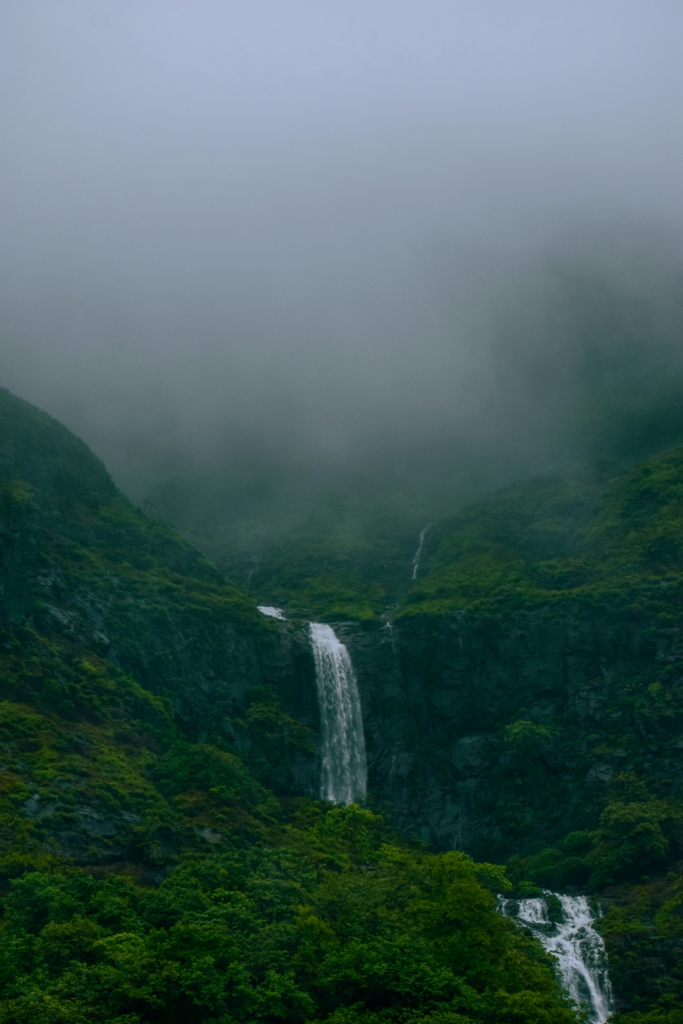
{"points": [[296, 217]]}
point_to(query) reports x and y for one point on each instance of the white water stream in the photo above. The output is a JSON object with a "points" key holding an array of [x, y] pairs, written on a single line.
{"points": [[344, 770], [573, 939], [418, 553], [580, 951], [274, 613]]}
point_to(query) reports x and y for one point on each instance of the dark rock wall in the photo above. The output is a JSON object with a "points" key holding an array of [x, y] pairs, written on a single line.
{"points": [[441, 697]]}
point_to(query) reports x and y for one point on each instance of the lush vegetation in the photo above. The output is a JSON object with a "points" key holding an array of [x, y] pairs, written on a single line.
{"points": [[332, 924], [586, 783], [157, 858], [548, 540], [156, 863], [147, 878]]}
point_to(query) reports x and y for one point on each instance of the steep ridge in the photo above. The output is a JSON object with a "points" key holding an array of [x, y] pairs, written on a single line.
{"points": [[156, 862], [111, 620], [81, 561]]}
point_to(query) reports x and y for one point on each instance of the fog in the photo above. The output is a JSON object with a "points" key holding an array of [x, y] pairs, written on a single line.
{"points": [[316, 228]]}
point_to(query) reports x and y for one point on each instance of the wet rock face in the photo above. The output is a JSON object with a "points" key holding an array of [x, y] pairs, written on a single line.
{"points": [[492, 735], [293, 671]]}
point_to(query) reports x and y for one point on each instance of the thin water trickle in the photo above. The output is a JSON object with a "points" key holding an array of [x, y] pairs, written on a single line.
{"points": [[418, 553], [574, 941], [344, 770], [390, 630]]}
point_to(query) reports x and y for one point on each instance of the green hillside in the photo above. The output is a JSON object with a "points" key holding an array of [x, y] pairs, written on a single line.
{"points": [[588, 387], [545, 632], [120, 640], [548, 540], [158, 861]]}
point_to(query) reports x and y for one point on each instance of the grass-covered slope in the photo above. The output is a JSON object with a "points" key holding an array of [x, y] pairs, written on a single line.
{"points": [[154, 864], [548, 540], [117, 639], [348, 561], [79, 561]]}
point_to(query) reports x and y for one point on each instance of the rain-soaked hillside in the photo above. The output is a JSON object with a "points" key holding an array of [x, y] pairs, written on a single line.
{"points": [[162, 854]]}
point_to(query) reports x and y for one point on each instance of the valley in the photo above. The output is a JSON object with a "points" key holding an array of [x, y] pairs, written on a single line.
{"points": [[522, 705]]}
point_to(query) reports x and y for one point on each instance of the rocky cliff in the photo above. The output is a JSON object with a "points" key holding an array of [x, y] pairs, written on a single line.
{"points": [[501, 702]]}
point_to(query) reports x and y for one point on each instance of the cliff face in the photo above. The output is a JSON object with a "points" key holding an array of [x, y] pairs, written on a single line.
{"points": [[539, 658], [501, 736]]}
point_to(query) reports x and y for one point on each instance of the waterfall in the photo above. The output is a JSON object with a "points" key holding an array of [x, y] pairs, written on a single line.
{"points": [[344, 771], [274, 613], [418, 553], [390, 630], [569, 934]]}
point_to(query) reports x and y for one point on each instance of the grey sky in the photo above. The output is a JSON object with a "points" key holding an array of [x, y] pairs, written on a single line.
{"points": [[299, 216]]}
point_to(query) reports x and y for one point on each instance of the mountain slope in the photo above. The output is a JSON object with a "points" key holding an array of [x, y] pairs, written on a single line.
{"points": [[526, 703], [82, 562], [155, 864], [548, 539], [118, 638], [544, 639]]}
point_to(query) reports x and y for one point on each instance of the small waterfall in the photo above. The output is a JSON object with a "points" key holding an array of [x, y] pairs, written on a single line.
{"points": [[390, 630], [274, 613], [344, 771], [418, 553], [564, 925]]}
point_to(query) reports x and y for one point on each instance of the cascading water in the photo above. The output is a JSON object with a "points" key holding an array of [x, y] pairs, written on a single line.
{"points": [[344, 770], [390, 630], [571, 937], [418, 553], [273, 613]]}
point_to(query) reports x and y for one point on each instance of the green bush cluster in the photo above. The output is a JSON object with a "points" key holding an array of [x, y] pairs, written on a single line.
{"points": [[643, 930], [334, 926], [637, 833]]}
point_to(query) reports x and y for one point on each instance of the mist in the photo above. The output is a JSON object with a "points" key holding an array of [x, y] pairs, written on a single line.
{"points": [[315, 231]]}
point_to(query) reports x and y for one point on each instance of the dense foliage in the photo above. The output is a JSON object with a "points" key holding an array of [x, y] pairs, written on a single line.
{"points": [[155, 861], [155, 865], [332, 925], [585, 782], [547, 540]]}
